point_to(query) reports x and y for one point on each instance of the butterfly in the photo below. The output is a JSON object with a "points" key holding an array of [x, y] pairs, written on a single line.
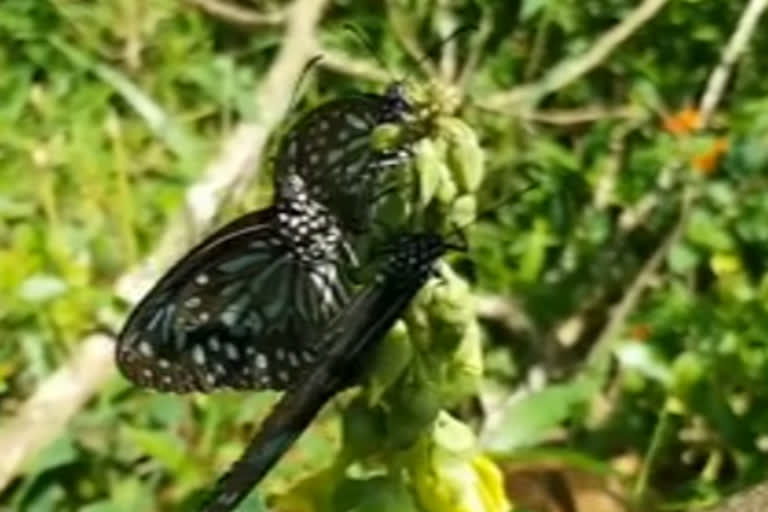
{"points": [[243, 308], [332, 150], [349, 341]]}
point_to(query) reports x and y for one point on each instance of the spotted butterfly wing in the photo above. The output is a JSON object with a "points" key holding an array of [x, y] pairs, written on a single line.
{"points": [[349, 341], [242, 309], [330, 148]]}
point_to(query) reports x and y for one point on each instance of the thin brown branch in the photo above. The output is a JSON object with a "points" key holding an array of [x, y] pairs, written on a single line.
{"points": [[538, 50], [238, 14], [42, 417], [446, 24], [736, 46], [401, 27], [567, 117], [506, 312], [754, 499], [634, 292], [476, 50], [611, 167], [342, 63], [527, 95]]}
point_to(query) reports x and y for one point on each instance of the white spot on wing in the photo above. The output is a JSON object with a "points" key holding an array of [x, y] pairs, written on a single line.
{"points": [[228, 318], [261, 361], [355, 121], [232, 352], [198, 355], [145, 348]]}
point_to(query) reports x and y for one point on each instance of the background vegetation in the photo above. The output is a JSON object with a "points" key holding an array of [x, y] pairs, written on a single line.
{"points": [[623, 300]]}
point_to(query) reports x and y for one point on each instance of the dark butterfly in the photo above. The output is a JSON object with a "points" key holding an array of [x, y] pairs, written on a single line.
{"points": [[348, 341], [244, 307], [331, 149]]}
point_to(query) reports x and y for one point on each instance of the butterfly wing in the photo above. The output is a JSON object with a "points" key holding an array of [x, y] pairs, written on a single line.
{"points": [[350, 339], [331, 149], [239, 311]]}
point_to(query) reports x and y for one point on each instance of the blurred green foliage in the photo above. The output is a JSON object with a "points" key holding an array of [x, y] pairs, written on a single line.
{"points": [[111, 109]]}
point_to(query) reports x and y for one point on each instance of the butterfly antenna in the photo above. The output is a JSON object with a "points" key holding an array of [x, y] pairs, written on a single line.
{"points": [[432, 51], [459, 229], [365, 42], [302, 76]]}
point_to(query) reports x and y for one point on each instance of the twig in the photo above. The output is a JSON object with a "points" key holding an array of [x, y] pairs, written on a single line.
{"points": [[41, 418], [45, 414], [507, 312], [400, 26], [737, 44], [606, 182], [754, 499], [446, 24], [237, 14], [536, 55], [476, 47], [566, 117], [343, 63], [527, 95], [631, 298]]}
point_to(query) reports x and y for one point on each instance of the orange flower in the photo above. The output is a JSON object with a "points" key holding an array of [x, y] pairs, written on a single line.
{"points": [[685, 121], [706, 163], [640, 332]]}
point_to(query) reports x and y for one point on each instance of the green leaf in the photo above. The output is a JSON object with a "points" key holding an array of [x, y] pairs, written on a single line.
{"points": [[42, 288], [528, 421]]}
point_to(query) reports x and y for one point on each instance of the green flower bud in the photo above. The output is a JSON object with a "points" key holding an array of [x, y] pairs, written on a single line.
{"points": [[392, 356], [413, 407], [387, 136], [449, 477], [379, 494], [463, 374], [463, 211], [362, 429], [464, 157]]}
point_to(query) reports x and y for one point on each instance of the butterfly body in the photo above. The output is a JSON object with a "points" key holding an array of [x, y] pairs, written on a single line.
{"points": [[242, 308]]}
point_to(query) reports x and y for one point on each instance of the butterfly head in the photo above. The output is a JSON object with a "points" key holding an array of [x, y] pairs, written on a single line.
{"points": [[412, 256], [395, 106]]}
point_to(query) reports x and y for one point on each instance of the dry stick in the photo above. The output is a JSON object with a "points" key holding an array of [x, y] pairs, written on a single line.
{"points": [[562, 74], [340, 62], [566, 117], [238, 14], [507, 312], [737, 45], [631, 298], [403, 32], [754, 499], [45, 414], [446, 22], [476, 47]]}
